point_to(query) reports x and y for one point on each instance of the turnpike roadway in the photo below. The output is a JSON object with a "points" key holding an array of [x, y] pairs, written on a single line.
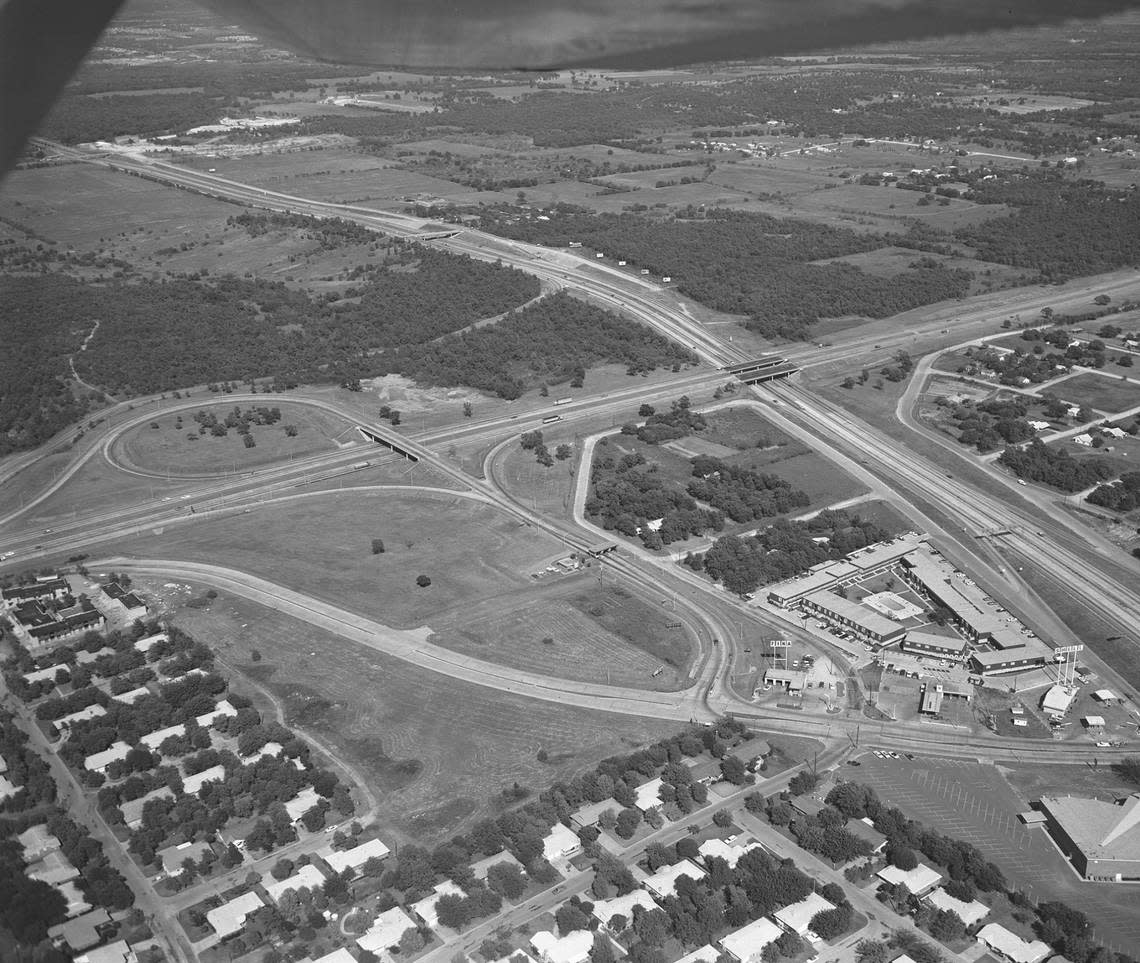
{"points": [[974, 510], [633, 296]]}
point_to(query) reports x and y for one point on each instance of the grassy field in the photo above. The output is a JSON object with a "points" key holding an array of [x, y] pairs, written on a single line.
{"points": [[321, 546], [437, 752], [90, 208], [891, 261], [278, 170], [1101, 392], [572, 628], [169, 449]]}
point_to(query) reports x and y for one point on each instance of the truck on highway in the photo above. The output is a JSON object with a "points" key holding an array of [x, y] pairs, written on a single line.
{"points": [[550, 419], [563, 401], [360, 465], [575, 243]]}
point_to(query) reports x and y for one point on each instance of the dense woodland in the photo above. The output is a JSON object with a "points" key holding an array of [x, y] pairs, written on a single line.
{"points": [[784, 549], [551, 341], [751, 264], [1038, 462], [1121, 496]]}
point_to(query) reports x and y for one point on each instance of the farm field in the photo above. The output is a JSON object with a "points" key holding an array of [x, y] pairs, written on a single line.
{"points": [[1107, 393], [279, 170], [435, 751], [89, 208], [572, 628], [889, 202], [322, 547], [168, 450], [975, 803]]}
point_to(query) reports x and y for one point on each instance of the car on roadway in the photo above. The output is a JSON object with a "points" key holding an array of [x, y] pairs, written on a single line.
{"points": [[854, 762], [879, 754], [6, 555], [1104, 745], [893, 755]]}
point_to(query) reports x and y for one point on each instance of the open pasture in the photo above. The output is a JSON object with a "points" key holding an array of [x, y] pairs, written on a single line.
{"points": [[88, 208], [768, 177], [379, 184], [1101, 392], [435, 751], [322, 546], [649, 178], [890, 202], [891, 261], [560, 630], [168, 448], [297, 166]]}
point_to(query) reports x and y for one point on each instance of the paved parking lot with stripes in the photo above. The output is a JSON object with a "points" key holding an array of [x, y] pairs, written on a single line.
{"points": [[973, 802]]}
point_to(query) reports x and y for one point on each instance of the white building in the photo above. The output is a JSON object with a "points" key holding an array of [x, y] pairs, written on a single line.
{"points": [[746, 945], [561, 843], [481, 867], [192, 785], [99, 761], [425, 909], [308, 876], [969, 913], [300, 804], [229, 918], [606, 909], [353, 859], [152, 740], [386, 931], [1009, 946], [797, 917], [574, 947], [918, 880], [648, 795], [664, 882], [731, 853]]}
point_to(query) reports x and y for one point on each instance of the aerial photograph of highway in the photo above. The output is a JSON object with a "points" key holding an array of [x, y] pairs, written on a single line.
{"points": [[569, 483]]}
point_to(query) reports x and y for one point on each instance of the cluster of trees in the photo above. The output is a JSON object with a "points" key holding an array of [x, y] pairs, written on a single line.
{"points": [[162, 335], [1061, 227], [331, 232], [77, 119], [784, 549], [1121, 496], [752, 264], [1054, 466], [988, 425], [679, 421], [26, 770], [552, 341], [101, 883], [824, 834], [241, 421], [39, 327], [1036, 365], [740, 493], [627, 493]]}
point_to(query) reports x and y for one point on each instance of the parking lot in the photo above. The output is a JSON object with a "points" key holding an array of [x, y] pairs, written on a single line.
{"points": [[974, 802]]}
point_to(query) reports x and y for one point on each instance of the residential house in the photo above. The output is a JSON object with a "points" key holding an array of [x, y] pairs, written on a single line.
{"points": [[797, 917], [386, 931], [229, 919], [1007, 945], [574, 947], [344, 860], [746, 945]]}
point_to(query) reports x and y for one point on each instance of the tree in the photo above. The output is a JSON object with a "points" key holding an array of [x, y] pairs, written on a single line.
{"points": [[468, 410], [646, 410], [603, 950], [722, 818], [569, 917], [733, 771], [562, 452], [947, 926], [627, 821], [423, 581], [411, 941], [507, 880], [902, 856], [377, 546]]}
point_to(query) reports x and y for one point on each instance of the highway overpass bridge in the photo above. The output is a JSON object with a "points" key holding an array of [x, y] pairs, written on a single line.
{"points": [[768, 367], [392, 441]]}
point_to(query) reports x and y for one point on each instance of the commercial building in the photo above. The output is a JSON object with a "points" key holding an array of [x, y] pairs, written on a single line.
{"points": [[1102, 839], [1058, 699], [790, 680], [951, 648], [827, 575], [746, 945], [1009, 946], [934, 694], [863, 621], [117, 604]]}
